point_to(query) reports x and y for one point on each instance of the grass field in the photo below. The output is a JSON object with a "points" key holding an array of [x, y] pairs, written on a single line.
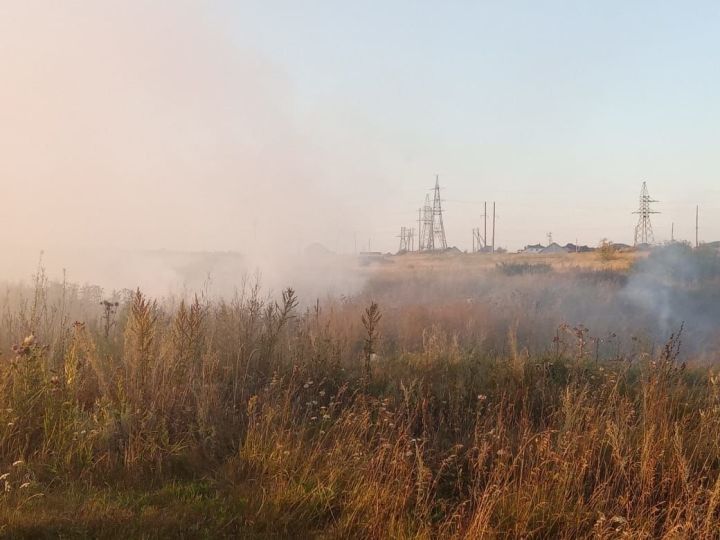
{"points": [[459, 397], [619, 261]]}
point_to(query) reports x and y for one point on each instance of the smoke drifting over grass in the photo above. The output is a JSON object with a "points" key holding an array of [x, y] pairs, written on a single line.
{"points": [[142, 148], [164, 273], [676, 285], [625, 311]]}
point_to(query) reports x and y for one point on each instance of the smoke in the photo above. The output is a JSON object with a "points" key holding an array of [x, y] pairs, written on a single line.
{"points": [[626, 311], [167, 273], [137, 126], [676, 286], [144, 147]]}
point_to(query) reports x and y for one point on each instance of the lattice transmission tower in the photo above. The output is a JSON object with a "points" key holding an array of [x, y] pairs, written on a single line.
{"points": [[407, 239], [643, 229], [438, 229], [478, 244], [431, 229], [425, 226]]}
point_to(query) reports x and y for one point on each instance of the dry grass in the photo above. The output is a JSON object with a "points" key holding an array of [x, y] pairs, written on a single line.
{"points": [[621, 261], [255, 418]]}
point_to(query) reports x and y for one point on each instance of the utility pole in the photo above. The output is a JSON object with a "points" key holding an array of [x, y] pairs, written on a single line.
{"points": [[697, 225], [485, 226], [421, 244], [672, 232], [480, 243], [493, 229]]}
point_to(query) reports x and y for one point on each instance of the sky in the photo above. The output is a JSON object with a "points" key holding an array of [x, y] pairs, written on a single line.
{"points": [[266, 126]]}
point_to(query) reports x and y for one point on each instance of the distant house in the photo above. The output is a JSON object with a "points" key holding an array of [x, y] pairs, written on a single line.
{"points": [[574, 248], [553, 248], [534, 248]]}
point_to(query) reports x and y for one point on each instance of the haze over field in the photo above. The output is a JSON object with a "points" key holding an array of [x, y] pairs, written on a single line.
{"points": [[260, 129], [201, 332]]}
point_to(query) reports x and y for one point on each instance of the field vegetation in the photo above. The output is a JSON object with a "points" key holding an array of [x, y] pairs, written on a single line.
{"points": [[439, 402]]}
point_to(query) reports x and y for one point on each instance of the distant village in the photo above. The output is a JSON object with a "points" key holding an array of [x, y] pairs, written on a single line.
{"points": [[429, 235], [554, 247]]}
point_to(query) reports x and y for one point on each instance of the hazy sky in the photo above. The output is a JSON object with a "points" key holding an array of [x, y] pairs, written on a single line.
{"points": [[233, 125]]}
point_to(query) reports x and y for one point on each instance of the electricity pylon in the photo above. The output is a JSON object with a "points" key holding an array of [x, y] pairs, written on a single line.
{"points": [[643, 229]]}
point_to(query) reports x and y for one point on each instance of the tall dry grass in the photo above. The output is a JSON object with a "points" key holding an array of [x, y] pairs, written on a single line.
{"points": [[268, 419]]}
